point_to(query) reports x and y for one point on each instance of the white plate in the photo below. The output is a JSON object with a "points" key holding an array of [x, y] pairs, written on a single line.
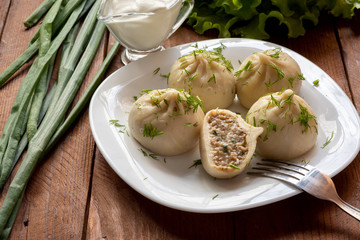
{"points": [[170, 181]]}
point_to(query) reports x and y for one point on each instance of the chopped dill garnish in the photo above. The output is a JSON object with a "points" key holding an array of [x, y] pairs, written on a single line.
{"points": [[135, 98], [288, 99], [191, 124], [220, 48], [280, 73], [270, 127], [118, 125], [193, 77], [276, 102], [146, 90], [215, 196], [196, 163], [276, 53], [192, 103], [166, 76], [245, 68], [153, 156], [212, 78], [150, 131], [291, 81], [156, 102], [301, 76], [305, 117], [195, 45], [328, 140], [156, 71], [261, 120], [143, 152], [269, 84], [233, 166]]}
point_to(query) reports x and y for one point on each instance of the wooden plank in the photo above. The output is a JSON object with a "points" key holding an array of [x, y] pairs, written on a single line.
{"points": [[55, 202], [349, 35], [4, 9]]}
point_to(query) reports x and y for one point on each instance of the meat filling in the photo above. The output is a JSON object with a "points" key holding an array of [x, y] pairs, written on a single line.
{"points": [[227, 140]]}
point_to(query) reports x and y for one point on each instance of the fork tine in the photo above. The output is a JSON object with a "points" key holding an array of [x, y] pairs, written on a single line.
{"points": [[284, 171], [292, 169], [298, 165], [266, 172]]}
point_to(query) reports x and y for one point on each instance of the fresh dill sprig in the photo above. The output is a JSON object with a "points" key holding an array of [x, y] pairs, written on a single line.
{"points": [[215, 196], [245, 68], [233, 166], [196, 163], [151, 131], [328, 140], [305, 117], [156, 71]]}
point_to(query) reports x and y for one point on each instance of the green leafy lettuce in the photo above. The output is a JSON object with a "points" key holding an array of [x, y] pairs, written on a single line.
{"points": [[250, 18]]}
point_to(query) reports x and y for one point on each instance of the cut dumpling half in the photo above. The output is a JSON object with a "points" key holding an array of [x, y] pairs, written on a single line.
{"points": [[166, 121], [265, 72], [289, 123], [207, 75], [227, 143]]}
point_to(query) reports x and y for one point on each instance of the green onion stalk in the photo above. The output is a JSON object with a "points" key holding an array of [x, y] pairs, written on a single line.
{"points": [[16, 118], [33, 47], [39, 142]]}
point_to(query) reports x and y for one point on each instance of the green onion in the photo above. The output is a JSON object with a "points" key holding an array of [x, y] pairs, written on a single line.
{"points": [[34, 43], [82, 39], [39, 142], [84, 98], [43, 84], [18, 116], [38, 13]]}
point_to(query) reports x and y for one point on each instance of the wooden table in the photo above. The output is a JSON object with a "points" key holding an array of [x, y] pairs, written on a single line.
{"points": [[75, 194]]}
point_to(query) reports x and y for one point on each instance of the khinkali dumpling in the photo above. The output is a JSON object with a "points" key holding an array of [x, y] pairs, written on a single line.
{"points": [[265, 72], [289, 123], [166, 121], [205, 74], [227, 143]]}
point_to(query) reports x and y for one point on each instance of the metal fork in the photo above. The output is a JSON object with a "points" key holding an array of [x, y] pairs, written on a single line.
{"points": [[307, 178]]}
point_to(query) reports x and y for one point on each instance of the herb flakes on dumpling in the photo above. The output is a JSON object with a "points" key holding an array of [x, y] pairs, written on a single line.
{"points": [[166, 121], [264, 72], [205, 74], [289, 123]]}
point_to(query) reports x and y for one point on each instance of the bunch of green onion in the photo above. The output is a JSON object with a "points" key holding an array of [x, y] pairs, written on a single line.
{"points": [[38, 116]]}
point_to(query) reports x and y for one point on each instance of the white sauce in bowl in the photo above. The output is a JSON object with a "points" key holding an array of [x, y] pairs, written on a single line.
{"points": [[140, 24]]}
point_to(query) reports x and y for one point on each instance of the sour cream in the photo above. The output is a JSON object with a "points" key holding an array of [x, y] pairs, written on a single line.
{"points": [[140, 25]]}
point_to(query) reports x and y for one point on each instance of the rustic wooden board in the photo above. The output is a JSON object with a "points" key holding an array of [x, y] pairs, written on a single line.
{"points": [[4, 9], [349, 35], [55, 203], [74, 193]]}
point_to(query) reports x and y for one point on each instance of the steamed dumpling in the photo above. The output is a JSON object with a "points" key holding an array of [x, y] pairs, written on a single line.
{"points": [[289, 123], [227, 143], [265, 72], [166, 121], [207, 75]]}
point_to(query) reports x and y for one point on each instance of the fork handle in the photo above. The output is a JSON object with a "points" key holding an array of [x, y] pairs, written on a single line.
{"points": [[352, 211]]}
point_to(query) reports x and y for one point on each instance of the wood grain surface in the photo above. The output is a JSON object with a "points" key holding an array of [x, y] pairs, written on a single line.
{"points": [[74, 193]]}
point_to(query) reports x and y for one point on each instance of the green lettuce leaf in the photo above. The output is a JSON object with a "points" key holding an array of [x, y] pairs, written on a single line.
{"points": [[251, 19]]}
